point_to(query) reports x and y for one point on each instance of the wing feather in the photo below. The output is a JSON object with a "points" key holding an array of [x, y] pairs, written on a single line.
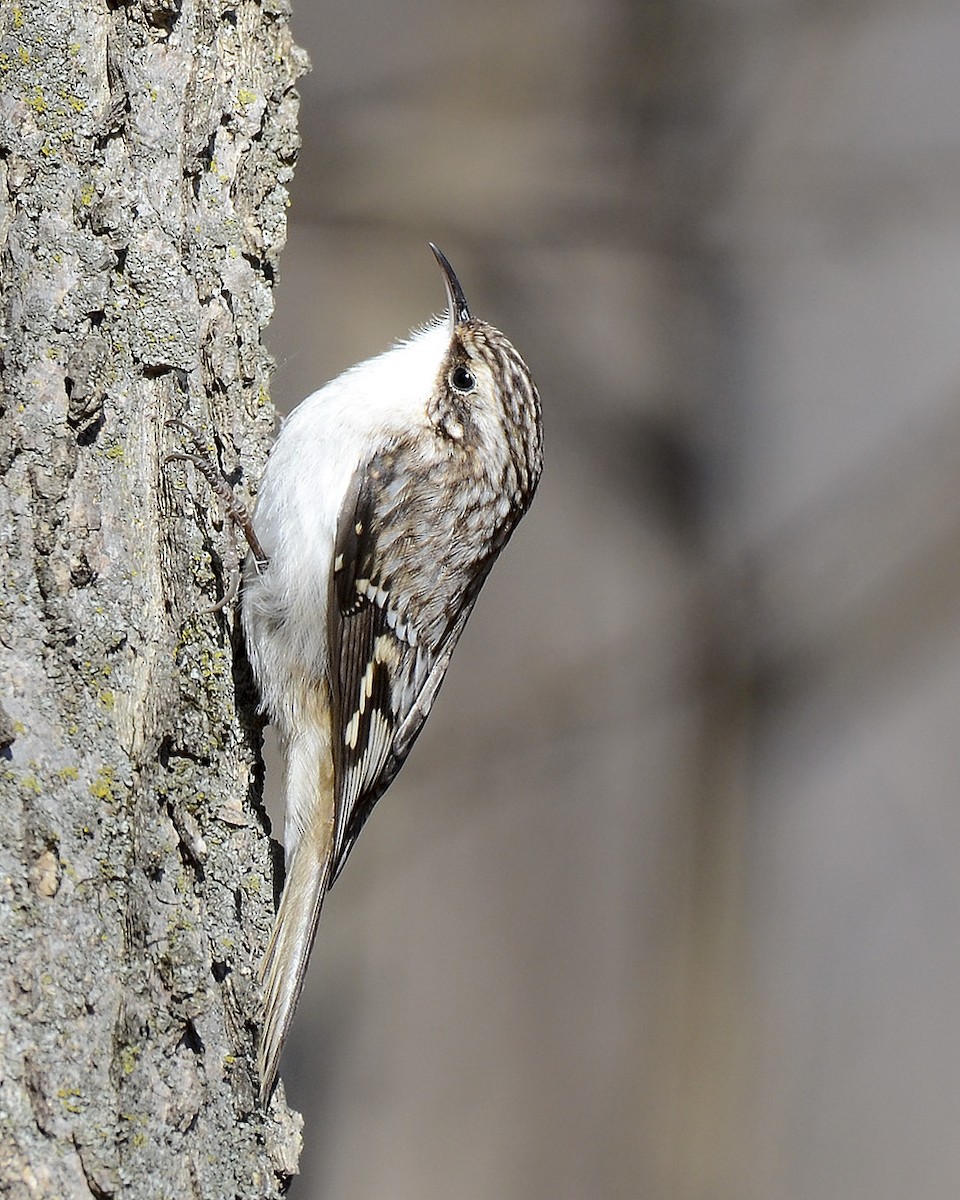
{"points": [[385, 668]]}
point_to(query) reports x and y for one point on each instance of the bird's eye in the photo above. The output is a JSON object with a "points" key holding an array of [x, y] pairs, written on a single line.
{"points": [[462, 379]]}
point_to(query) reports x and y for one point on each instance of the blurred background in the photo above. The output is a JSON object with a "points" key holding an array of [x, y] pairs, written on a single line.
{"points": [[666, 902]]}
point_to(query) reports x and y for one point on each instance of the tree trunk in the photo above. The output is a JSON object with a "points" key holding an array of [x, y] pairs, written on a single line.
{"points": [[144, 152]]}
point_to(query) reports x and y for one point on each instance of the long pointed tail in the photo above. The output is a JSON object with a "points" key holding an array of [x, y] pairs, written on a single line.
{"points": [[309, 837], [288, 951]]}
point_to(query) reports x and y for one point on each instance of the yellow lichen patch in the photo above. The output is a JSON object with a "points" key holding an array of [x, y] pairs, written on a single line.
{"points": [[68, 1098], [103, 787], [128, 1059]]}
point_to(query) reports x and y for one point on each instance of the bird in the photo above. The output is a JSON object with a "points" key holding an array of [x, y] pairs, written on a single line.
{"points": [[386, 498]]}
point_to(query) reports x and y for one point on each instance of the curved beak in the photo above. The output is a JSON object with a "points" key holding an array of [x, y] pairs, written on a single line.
{"points": [[456, 300]]}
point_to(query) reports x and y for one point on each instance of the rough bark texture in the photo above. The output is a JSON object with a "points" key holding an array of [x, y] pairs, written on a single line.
{"points": [[144, 152]]}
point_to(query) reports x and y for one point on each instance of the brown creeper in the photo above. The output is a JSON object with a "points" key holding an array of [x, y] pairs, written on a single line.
{"points": [[386, 499]]}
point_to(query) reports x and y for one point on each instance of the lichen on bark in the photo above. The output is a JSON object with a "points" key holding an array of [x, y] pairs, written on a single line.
{"points": [[145, 150]]}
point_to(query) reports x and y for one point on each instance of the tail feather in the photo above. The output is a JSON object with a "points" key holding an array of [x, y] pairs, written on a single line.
{"points": [[284, 965], [310, 807]]}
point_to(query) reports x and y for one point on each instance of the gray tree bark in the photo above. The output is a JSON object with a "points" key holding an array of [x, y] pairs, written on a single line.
{"points": [[144, 152]]}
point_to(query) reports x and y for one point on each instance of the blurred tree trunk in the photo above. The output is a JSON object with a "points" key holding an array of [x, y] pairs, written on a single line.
{"points": [[144, 152]]}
